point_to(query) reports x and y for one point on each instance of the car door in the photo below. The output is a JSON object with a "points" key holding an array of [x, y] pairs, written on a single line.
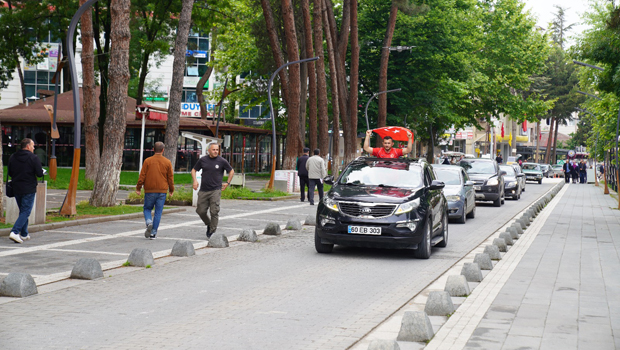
{"points": [[434, 199], [470, 194]]}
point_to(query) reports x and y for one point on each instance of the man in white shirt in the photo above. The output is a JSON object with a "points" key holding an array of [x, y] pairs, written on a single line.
{"points": [[316, 172]]}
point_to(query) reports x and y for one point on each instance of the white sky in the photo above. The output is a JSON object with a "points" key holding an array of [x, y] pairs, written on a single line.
{"points": [[543, 10]]}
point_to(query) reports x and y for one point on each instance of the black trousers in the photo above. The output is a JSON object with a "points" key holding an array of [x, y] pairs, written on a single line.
{"points": [[303, 183], [566, 177], [319, 185]]}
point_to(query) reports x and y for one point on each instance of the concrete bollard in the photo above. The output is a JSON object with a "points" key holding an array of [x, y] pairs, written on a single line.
{"points": [[507, 238], [512, 232], [218, 240], [484, 261], [439, 303], [293, 224], [310, 220], [517, 227], [457, 286], [500, 243], [415, 326], [87, 269], [525, 220], [493, 252], [183, 248], [18, 285], [472, 272], [140, 257], [382, 344], [522, 223], [248, 235], [272, 229]]}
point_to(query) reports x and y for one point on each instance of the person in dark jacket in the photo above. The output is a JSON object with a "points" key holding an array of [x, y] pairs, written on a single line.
{"points": [[302, 172], [24, 168], [583, 168]]}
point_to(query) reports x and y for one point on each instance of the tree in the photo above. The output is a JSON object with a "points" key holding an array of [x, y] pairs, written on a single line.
{"points": [[106, 184], [91, 129], [176, 89]]}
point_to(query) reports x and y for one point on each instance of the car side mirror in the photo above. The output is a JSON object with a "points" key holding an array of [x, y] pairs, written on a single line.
{"points": [[469, 183], [437, 185], [329, 180], [503, 173]]}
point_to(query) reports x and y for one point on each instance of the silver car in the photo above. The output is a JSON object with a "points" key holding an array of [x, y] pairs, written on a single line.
{"points": [[521, 179], [459, 191]]}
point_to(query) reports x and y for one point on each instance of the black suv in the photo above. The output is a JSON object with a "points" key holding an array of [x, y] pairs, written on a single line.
{"points": [[488, 179], [383, 203]]}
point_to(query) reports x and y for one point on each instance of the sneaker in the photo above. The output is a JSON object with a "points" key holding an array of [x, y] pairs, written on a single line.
{"points": [[25, 238], [15, 237], [149, 229], [153, 236], [209, 233]]}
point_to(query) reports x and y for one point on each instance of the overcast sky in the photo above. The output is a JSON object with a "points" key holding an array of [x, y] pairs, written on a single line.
{"points": [[543, 10]]}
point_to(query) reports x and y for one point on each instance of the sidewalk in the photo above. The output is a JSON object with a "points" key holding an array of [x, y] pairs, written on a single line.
{"points": [[564, 292]]}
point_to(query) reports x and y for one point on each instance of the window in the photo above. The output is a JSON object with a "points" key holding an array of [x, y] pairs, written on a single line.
{"points": [[196, 58]]}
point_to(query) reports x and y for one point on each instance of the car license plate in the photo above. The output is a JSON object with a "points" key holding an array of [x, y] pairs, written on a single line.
{"points": [[477, 188], [363, 230]]}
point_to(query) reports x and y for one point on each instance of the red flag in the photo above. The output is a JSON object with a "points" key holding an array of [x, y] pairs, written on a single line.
{"points": [[539, 136], [524, 125], [502, 130]]}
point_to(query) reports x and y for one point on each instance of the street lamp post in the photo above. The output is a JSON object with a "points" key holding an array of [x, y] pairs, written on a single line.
{"points": [[367, 103], [617, 132], [273, 119]]}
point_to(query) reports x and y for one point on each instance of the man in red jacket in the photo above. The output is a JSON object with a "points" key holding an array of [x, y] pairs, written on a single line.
{"points": [[158, 179], [387, 151]]}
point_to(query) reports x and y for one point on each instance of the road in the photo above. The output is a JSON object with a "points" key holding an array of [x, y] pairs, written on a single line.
{"points": [[274, 294]]}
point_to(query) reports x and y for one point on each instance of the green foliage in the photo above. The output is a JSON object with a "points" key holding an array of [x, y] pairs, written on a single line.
{"points": [[180, 193], [246, 193], [126, 263]]}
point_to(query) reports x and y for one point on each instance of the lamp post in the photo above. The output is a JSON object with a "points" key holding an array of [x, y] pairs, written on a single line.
{"points": [[142, 110], [367, 103], [273, 119], [617, 131]]}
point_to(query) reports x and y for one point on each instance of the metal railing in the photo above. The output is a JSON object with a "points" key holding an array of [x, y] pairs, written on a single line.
{"points": [[611, 169]]}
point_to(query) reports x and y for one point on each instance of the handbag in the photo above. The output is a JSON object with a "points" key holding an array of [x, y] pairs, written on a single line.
{"points": [[9, 185]]}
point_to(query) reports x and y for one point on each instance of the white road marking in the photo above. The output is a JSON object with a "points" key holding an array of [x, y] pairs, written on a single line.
{"points": [[84, 251], [78, 232], [134, 232]]}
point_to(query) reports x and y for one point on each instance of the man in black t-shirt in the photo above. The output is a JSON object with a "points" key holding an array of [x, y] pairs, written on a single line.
{"points": [[211, 186], [302, 172]]}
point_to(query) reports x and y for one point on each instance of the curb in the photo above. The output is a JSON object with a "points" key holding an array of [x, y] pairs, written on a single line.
{"points": [[69, 223]]}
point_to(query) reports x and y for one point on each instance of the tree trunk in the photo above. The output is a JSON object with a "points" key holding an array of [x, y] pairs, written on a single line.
{"points": [[323, 137], [144, 71], [1, 183], [274, 43], [555, 141], [176, 88], [106, 186], [536, 157], [312, 83], [91, 129], [383, 67], [550, 136], [351, 147], [513, 141], [21, 79], [335, 99], [303, 93], [293, 143], [200, 96], [102, 62]]}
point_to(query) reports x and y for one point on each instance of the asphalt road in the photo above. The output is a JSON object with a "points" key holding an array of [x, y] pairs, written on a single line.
{"points": [[274, 294]]}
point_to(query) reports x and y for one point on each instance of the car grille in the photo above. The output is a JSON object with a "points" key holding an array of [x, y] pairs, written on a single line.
{"points": [[372, 210]]}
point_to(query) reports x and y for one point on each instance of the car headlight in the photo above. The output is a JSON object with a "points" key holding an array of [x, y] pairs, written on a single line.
{"points": [[492, 182], [330, 204], [409, 206], [453, 198], [512, 184]]}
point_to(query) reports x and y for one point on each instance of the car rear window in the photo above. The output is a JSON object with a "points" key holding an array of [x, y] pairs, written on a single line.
{"points": [[510, 171], [478, 167], [386, 173], [531, 167], [448, 177]]}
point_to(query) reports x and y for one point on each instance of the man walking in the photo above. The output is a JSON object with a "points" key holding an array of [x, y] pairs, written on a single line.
{"points": [[387, 151], [567, 167], [302, 172], [316, 172], [211, 186], [158, 179], [24, 168]]}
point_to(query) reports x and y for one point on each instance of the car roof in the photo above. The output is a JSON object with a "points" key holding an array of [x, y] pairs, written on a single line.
{"points": [[477, 160]]}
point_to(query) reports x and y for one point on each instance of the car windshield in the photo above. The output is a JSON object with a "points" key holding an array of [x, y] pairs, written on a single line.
{"points": [[478, 167], [448, 176], [382, 173], [510, 171], [512, 159], [531, 167]]}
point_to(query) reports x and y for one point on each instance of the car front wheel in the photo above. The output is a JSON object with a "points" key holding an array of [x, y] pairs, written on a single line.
{"points": [[472, 213], [424, 248], [321, 247], [444, 230], [463, 218]]}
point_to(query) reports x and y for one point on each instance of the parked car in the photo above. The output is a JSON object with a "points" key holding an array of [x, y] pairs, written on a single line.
{"points": [[459, 192], [557, 170], [533, 172], [521, 179], [488, 182], [546, 170], [512, 185], [383, 203]]}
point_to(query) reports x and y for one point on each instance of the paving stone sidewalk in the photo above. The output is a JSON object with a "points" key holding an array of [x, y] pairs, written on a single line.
{"points": [[564, 293]]}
